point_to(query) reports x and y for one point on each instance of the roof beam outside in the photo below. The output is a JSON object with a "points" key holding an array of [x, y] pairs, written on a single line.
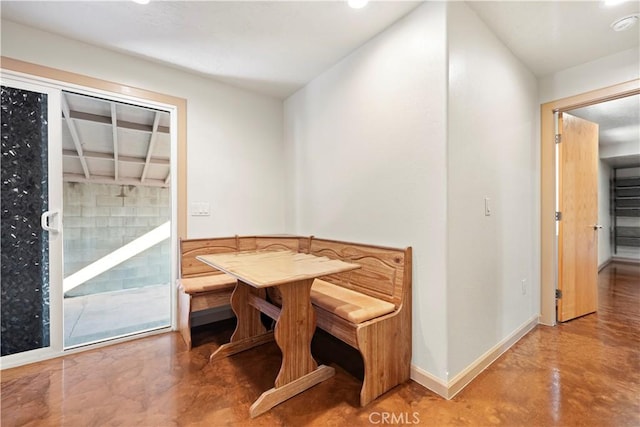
{"points": [[152, 144], [74, 136], [114, 128], [106, 120], [125, 159], [99, 179]]}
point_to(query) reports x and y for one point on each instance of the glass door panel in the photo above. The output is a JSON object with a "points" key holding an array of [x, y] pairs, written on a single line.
{"points": [[117, 219], [29, 220]]}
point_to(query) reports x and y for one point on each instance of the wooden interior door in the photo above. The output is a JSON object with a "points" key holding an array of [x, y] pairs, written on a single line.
{"points": [[577, 228]]}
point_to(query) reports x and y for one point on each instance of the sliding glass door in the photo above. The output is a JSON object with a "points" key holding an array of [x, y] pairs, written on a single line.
{"points": [[31, 242], [102, 167]]}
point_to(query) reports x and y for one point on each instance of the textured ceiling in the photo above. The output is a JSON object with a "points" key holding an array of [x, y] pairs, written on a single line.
{"points": [[614, 129], [549, 36], [619, 123], [270, 47], [276, 47]]}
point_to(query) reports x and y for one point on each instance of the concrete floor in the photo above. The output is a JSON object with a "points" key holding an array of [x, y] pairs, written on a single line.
{"points": [[97, 317], [581, 373]]}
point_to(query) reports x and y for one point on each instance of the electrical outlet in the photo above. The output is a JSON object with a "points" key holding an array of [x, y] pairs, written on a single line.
{"points": [[200, 209], [524, 286]]}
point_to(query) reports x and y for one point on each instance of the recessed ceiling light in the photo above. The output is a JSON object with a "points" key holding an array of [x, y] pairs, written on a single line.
{"points": [[624, 23], [611, 3], [357, 4], [141, 1]]}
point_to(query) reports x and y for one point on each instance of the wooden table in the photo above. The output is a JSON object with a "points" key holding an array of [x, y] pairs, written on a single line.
{"points": [[292, 273]]}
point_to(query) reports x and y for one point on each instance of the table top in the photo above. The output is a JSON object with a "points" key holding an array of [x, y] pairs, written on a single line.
{"points": [[263, 269]]}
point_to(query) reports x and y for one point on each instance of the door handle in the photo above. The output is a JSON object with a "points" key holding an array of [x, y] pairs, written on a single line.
{"points": [[597, 226], [47, 221]]}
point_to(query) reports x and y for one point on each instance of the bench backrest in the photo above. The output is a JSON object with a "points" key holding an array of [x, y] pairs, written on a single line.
{"points": [[291, 243], [385, 272], [191, 248]]}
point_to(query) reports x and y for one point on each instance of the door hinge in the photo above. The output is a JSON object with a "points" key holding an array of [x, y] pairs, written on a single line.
{"points": [[558, 216], [558, 294], [558, 138]]}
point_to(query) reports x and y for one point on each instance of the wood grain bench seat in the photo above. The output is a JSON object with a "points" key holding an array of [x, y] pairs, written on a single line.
{"points": [[214, 282], [352, 306]]}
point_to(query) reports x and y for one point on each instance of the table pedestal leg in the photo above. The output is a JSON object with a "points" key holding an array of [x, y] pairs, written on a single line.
{"points": [[276, 396], [250, 332], [293, 333]]}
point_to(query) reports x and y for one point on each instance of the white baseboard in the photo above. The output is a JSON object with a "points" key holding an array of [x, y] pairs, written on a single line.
{"points": [[604, 264], [625, 260], [429, 381], [449, 389]]}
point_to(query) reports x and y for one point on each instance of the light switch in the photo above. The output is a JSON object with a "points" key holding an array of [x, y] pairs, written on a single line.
{"points": [[487, 206]]}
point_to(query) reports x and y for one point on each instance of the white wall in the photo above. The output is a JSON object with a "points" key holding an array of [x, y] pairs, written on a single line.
{"points": [[492, 152], [607, 71], [604, 215], [369, 142], [367, 139], [234, 136], [620, 149]]}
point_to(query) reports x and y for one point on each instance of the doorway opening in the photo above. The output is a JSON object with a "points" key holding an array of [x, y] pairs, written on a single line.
{"points": [[548, 184], [618, 177]]}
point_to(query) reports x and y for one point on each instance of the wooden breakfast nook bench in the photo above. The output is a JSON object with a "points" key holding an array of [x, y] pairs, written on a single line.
{"points": [[368, 308], [201, 287]]}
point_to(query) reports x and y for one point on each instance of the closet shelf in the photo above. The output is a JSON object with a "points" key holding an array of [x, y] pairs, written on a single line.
{"points": [[625, 203]]}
